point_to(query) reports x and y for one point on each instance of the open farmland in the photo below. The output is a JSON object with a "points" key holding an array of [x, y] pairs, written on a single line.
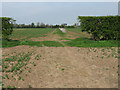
{"points": [[49, 58], [53, 37]]}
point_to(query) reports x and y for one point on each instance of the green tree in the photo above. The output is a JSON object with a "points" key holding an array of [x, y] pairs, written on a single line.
{"points": [[32, 25], [7, 27], [101, 27]]}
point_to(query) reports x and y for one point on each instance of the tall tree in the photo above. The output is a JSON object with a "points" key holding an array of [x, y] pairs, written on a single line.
{"points": [[32, 25]]}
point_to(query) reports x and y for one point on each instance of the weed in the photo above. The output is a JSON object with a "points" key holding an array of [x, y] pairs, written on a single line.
{"points": [[20, 59], [29, 71], [11, 87], [22, 79], [3, 77], [19, 64], [29, 86], [62, 69], [6, 76], [102, 57], [117, 57], [19, 78], [37, 57]]}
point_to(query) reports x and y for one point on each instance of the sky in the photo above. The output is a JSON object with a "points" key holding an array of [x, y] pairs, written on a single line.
{"points": [[59, 0], [56, 12]]}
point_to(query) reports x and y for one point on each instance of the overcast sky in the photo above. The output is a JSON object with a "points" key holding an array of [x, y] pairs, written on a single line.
{"points": [[56, 13]]}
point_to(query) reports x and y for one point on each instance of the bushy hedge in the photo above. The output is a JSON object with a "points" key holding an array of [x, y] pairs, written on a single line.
{"points": [[7, 26], [101, 27]]}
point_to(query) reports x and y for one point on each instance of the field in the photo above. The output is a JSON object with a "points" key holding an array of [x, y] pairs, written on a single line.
{"points": [[49, 58], [55, 38]]}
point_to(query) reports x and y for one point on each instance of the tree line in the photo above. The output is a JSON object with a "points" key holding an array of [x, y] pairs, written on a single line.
{"points": [[7, 24], [42, 25], [101, 27], [6, 27]]}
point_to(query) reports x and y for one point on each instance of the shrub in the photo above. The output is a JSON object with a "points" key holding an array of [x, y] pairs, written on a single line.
{"points": [[101, 27], [7, 27]]}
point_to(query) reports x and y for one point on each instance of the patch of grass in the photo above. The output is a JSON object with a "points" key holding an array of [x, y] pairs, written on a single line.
{"points": [[77, 30], [11, 43], [60, 33], [42, 43], [27, 33], [78, 42], [19, 61], [37, 57], [117, 57], [11, 87], [52, 44], [85, 42], [31, 43]]}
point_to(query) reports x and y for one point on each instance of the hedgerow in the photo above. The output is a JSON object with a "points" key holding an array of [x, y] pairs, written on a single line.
{"points": [[101, 27], [7, 26]]}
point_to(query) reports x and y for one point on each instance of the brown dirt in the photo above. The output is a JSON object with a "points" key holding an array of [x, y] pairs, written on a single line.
{"points": [[67, 67]]}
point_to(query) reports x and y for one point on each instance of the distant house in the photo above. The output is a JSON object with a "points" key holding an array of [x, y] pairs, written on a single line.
{"points": [[119, 8]]}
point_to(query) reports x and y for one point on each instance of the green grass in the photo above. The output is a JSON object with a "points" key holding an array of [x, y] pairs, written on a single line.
{"points": [[77, 30], [31, 43], [10, 43], [27, 33], [78, 42], [42, 43], [85, 42], [60, 33]]}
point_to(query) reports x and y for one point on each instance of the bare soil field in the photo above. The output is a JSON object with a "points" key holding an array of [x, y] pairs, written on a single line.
{"points": [[63, 67]]}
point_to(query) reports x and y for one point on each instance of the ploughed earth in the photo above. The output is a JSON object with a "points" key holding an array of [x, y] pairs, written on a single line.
{"points": [[60, 67]]}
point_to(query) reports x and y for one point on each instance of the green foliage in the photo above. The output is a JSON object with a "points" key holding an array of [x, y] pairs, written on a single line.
{"points": [[101, 27], [7, 27]]}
